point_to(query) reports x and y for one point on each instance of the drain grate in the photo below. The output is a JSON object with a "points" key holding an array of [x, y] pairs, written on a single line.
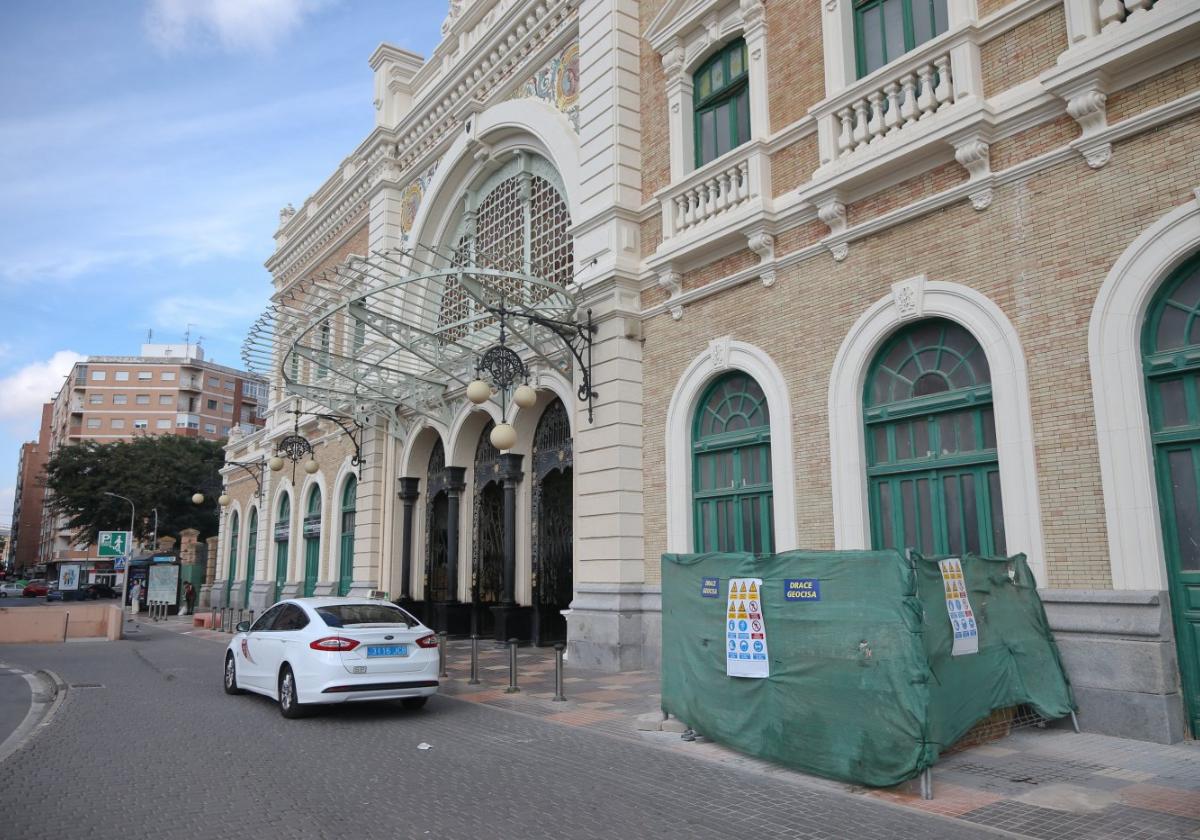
{"points": [[86, 685]]}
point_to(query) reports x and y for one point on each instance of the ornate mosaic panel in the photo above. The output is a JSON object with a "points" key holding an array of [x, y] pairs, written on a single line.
{"points": [[557, 82], [410, 199]]}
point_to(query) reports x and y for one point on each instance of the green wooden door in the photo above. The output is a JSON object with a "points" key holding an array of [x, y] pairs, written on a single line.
{"points": [[312, 542], [732, 500], [932, 469], [233, 550], [346, 558], [283, 527], [251, 554], [1171, 360]]}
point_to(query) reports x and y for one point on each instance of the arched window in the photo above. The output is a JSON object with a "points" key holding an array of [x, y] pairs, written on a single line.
{"points": [[233, 550], [732, 506], [721, 94], [312, 541], [931, 444], [346, 559], [283, 532], [251, 554], [1171, 361]]}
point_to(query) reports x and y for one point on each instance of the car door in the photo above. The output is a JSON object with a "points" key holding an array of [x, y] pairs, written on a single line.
{"points": [[257, 648], [290, 637]]}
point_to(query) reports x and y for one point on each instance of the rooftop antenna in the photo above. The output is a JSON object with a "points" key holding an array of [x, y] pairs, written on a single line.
{"points": [[187, 336], [149, 336]]}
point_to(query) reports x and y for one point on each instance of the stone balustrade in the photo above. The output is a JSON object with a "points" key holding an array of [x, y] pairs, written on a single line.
{"points": [[905, 98], [1113, 13], [724, 185]]}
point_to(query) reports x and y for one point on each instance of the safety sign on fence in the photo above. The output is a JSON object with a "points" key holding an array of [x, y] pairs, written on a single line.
{"points": [[745, 631], [962, 617]]}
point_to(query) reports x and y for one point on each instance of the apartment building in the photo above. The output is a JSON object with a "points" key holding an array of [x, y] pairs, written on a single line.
{"points": [[167, 389], [846, 274], [29, 497]]}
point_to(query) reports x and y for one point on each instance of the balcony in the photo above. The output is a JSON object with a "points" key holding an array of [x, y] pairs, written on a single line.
{"points": [[723, 188]]}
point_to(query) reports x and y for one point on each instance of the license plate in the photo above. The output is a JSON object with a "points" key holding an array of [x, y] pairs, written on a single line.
{"points": [[387, 650]]}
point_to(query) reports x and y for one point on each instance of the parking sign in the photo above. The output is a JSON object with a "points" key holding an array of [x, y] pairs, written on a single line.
{"points": [[114, 543]]}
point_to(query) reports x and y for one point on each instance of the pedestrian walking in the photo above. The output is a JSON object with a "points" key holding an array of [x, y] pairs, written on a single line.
{"points": [[189, 598], [135, 598]]}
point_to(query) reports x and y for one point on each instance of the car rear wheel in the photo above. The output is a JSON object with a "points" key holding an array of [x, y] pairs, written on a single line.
{"points": [[289, 704], [231, 686], [411, 704]]}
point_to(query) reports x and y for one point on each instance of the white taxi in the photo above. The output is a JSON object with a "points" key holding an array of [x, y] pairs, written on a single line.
{"points": [[305, 652]]}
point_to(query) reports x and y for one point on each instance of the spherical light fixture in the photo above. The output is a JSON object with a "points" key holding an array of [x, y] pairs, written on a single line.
{"points": [[311, 467], [525, 396], [503, 437], [479, 391], [275, 463], [197, 498], [223, 500]]}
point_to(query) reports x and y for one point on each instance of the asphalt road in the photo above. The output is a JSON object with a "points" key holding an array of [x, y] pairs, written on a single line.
{"points": [[148, 745], [15, 698]]}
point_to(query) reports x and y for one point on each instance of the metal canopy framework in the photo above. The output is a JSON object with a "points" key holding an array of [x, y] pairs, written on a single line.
{"points": [[402, 329]]}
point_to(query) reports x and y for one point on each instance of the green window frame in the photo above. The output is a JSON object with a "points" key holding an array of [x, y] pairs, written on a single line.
{"points": [[312, 543], [1171, 366], [732, 498], [346, 559], [884, 30], [721, 103], [251, 554], [932, 468], [282, 546], [233, 549]]}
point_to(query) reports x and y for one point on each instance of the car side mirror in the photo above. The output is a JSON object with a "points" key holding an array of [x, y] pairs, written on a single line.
{"points": [[243, 626]]}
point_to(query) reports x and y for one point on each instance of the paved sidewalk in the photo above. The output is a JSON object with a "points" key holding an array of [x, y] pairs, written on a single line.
{"points": [[1049, 783]]}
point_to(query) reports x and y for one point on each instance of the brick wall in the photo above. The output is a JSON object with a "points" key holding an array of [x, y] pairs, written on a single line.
{"points": [[1157, 90], [1040, 253], [797, 60], [656, 143], [1024, 51]]}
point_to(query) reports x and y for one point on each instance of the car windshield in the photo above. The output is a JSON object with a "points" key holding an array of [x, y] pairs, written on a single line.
{"points": [[355, 615]]}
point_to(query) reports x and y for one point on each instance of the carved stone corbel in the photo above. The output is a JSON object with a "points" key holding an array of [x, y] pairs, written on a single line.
{"points": [[1087, 105], [671, 281], [974, 154], [832, 211], [763, 244]]}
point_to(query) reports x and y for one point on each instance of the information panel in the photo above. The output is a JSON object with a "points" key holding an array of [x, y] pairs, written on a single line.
{"points": [[962, 617], [164, 584], [745, 631]]}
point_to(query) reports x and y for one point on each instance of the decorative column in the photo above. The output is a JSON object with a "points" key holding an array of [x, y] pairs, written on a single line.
{"points": [[512, 621], [410, 491], [456, 483]]}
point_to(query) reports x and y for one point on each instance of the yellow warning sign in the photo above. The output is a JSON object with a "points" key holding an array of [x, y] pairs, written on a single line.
{"points": [[753, 589], [743, 589]]}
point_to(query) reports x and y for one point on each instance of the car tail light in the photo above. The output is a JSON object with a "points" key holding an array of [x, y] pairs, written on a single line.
{"points": [[334, 643], [429, 641]]}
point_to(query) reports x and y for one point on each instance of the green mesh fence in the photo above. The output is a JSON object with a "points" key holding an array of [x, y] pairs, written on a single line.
{"points": [[862, 685]]}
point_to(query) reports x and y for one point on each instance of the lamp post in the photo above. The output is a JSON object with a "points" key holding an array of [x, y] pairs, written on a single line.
{"points": [[129, 557], [154, 539]]}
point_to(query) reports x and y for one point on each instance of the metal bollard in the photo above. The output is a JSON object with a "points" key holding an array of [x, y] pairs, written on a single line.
{"points": [[474, 660], [251, 619], [558, 672], [241, 614], [442, 636], [513, 688]]}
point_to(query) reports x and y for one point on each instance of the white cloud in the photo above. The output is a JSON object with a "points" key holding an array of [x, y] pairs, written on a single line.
{"points": [[254, 25], [28, 388]]}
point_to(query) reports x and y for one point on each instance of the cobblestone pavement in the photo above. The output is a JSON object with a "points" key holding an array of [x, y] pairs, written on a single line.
{"points": [[147, 744]]}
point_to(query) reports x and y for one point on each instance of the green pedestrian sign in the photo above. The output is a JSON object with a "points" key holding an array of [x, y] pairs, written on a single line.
{"points": [[114, 543]]}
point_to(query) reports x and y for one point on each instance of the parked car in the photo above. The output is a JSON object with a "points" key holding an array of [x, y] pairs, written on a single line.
{"points": [[310, 651], [94, 591], [14, 589], [54, 593], [35, 589]]}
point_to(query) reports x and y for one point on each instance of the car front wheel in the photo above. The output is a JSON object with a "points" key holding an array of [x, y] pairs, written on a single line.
{"points": [[289, 704], [231, 686]]}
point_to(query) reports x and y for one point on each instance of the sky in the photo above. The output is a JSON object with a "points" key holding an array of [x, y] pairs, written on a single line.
{"points": [[146, 147]]}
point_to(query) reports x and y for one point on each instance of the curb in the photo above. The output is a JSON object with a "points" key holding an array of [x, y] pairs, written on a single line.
{"points": [[48, 691]]}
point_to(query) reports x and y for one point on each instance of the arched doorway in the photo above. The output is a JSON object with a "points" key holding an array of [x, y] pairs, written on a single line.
{"points": [[312, 541], [932, 464], [346, 546], [437, 585], [283, 531], [1171, 363], [233, 552], [553, 533], [251, 555], [487, 554]]}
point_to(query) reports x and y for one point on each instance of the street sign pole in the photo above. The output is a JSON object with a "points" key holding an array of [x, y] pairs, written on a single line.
{"points": [[128, 544]]}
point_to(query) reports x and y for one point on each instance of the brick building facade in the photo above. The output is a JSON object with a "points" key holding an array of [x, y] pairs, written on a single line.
{"points": [[878, 273]]}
